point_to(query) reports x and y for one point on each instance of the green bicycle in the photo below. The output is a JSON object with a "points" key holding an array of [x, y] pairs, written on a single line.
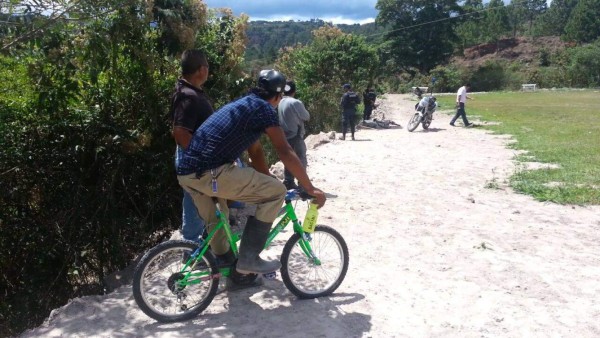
{"points": [[178, 279]]}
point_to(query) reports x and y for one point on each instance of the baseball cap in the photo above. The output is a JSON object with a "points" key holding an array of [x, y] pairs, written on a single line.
{"points": [[347, 86], [290, 87]]}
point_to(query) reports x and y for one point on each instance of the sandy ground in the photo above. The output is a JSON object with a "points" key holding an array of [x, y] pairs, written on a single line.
{"points": [[434, 252]]}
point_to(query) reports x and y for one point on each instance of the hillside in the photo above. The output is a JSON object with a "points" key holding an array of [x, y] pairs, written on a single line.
{"points": [[265, 38], [524, 50]]}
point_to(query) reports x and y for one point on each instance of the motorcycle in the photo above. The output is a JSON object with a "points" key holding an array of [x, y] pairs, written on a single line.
{"points": [[423, 113]]}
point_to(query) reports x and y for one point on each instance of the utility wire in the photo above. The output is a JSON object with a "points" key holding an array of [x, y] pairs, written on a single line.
{"points": [[439, 20]]}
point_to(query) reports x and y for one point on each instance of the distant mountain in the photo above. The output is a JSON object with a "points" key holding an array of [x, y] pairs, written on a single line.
{"points": [[265, 38]]}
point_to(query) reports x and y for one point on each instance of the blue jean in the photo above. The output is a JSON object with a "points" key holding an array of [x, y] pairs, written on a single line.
{"points": [[460, 112], [192, 225]]}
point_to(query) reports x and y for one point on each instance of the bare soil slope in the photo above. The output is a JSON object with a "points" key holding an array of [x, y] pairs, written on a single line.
{"points": [[523, 49]]}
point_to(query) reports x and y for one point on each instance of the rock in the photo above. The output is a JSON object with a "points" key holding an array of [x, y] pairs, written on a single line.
{"points": [[313, 141], [277, 170]]}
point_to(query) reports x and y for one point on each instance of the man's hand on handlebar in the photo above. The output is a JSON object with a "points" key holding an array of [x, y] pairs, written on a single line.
{"points": [[319, 196]]}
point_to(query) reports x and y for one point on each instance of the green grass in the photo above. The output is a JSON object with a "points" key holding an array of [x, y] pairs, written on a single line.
{"points": [[560, 127]]}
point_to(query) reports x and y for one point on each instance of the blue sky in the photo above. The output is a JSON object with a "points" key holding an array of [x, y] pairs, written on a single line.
{"points": [[336, 11]]}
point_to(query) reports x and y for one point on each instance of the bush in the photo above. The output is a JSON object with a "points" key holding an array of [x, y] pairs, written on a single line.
{"points": [[583, 69], [86, 153], [449, 78]]}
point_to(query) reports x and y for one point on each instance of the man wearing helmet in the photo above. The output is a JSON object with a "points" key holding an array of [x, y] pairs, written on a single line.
{"points": [[206, 169]]}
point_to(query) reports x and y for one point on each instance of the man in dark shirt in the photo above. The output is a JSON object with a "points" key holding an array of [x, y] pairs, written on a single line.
{"points": [[369, 97], [348, 103], [206, 169], [190, 107]]}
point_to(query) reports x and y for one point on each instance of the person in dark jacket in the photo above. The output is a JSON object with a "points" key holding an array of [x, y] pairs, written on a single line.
{"points": [[348, 103], [369, 98]]}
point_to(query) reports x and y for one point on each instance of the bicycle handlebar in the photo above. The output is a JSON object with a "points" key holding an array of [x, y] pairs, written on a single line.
{"points": [[297, 193]]}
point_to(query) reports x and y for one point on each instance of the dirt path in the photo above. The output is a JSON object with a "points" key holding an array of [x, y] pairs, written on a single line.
{"points": [[433, 252]]}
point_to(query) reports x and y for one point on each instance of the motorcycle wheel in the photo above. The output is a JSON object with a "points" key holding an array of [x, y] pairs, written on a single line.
{"points": [[414, 122], [426, 121]]}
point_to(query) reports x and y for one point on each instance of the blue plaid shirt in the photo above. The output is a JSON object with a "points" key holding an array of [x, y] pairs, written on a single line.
{"points": [[226, 134]]}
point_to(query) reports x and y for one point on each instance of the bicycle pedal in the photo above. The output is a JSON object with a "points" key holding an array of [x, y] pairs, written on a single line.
{"points": [[270, 275]]}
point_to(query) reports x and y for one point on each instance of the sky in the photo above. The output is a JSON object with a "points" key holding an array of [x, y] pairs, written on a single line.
{"points": [[336, 11]]}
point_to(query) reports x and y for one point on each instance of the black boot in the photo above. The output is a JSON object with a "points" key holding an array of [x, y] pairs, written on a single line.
{"points": [[225, 259], [252, 243]]}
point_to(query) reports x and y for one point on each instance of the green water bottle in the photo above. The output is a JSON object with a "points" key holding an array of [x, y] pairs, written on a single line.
{"points": [[310, 220]]}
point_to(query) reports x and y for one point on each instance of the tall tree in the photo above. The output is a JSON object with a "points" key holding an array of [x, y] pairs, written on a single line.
{"points": [[468, 30], [523, 13], [422, 34], [496, 22], [583, 24], [554, 20]]}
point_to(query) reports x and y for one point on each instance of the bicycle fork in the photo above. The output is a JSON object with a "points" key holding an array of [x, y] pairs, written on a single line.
{"points": [[304, 243]]}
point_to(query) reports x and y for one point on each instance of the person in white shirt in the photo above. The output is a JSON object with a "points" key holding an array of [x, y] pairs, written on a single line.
{"points": [[461, 99], [292, 115]]}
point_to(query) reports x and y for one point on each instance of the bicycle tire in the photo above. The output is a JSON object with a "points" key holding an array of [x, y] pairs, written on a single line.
{"points": [[414, 122], [330, 247], [154, 288]]}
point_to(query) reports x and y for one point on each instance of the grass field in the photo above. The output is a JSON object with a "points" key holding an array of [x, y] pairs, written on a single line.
{"points": [[560, 127]]}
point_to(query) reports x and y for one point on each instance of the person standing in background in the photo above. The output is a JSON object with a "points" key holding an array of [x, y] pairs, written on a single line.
{"points": [[348, 103], [369, 98], [292, 115], [190, 107]]}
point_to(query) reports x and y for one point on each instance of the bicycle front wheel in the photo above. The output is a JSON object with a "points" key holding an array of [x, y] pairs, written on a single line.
{"points": [[321, 275], [167, 292]]}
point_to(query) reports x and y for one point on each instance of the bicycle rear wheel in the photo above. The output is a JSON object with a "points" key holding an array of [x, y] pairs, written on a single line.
{"points": [[306, 277], [160, 287]]}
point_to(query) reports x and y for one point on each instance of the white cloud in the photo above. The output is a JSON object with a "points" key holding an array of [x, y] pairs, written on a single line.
{"points": [[336, 11]]}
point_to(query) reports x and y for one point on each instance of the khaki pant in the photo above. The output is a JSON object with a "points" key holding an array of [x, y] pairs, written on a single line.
{"points": [[237, 184]]}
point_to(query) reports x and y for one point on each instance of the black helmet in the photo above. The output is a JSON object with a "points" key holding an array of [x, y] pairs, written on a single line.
{"points": [[271, 80]]}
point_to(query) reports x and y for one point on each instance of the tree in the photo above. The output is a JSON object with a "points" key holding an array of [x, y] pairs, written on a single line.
{"points": [[321, 67], [469, 30], [554, 20], [523, 13], [583, 25], [584, 65], [422, 34], [495, 22], [86, 154]]}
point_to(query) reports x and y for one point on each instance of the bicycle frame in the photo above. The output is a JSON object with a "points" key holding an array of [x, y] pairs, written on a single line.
{"points": [[287, 214]]}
